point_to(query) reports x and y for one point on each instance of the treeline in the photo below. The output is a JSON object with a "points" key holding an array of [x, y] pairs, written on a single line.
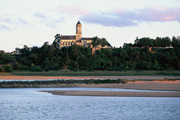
{"points": [[158, 42], [49, 57]]}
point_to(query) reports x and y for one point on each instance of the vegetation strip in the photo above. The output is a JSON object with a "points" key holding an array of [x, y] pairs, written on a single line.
{"points": [[95, 73], [144, 54], [55, 83]]}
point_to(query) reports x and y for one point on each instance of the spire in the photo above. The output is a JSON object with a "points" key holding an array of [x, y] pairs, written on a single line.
{"points": [[78, 22]]}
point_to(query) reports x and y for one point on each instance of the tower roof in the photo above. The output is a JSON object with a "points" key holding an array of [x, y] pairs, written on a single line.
{"points": [[78, 22]]}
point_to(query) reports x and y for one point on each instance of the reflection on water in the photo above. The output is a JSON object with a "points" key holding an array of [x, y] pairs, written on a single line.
{"points": [[27, 104]]}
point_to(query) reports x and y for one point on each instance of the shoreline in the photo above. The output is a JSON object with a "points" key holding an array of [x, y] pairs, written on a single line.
{"points": [[162, 85], [145, 84]]}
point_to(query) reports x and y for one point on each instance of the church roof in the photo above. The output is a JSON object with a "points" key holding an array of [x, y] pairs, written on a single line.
{"points": [[86, 38], [73, 37], [68, 37]]}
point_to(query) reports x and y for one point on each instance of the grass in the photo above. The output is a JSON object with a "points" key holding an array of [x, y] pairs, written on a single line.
{"points": [[5, 74], [93, 73]]}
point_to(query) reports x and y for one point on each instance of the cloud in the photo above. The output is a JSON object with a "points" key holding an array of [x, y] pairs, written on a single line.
{"points": [[11, 22], [48, 20], [161, 14], [4, 27], [107, 20], [124, 17], [7, 20], [73, 10], [39, 15], [22, 21]]}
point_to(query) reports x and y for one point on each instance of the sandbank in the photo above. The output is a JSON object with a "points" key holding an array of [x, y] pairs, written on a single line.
{"points": [[115, 93], [172, 86]]}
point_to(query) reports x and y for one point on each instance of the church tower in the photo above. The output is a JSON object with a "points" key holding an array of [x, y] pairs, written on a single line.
{"points": [[78, 30]]}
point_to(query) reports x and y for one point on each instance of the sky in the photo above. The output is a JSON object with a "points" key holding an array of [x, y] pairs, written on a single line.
{"points": [[33, 22]]}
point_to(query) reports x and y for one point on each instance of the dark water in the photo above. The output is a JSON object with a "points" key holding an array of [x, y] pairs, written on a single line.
{"points": [[27, 104]]}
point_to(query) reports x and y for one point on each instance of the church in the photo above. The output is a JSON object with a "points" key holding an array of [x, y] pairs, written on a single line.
{"points": [[69, 40]]}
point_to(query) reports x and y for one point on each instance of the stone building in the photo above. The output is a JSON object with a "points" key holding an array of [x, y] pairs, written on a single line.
{"points": [[69, 40]]}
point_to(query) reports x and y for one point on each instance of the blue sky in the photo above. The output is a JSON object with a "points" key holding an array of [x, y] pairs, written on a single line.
{"points": [[33, 22]]}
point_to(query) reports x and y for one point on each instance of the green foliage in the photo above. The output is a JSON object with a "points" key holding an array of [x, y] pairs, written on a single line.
{"points": [[148, 42], [5, 58], [34, 68], [176, 42], [2, 69], [98, 41], [132, 57], [56, 42], [17, 66], [6, 68]]}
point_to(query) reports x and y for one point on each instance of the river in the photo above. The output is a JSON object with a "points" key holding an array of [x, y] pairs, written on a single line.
{"points": [[28, 104]]}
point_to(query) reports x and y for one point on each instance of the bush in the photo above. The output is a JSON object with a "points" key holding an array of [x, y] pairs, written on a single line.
{"points": [[2, 69], [34, 68], [47, 69], [17, 66], [8, 68]]}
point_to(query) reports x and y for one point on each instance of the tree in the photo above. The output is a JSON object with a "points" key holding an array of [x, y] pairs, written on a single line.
{"points": [[25, 51], [57, 40], [34, 68], [95, 41], [6, 58], [8, 68], [175, 42], [2, 69], [166, 42], [144, 42], [98, 41]]}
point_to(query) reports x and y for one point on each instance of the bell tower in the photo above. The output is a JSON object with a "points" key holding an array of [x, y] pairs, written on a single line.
{"points": [[78, 30]]}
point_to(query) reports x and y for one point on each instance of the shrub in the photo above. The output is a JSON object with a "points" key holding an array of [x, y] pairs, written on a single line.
{"points": [[17, 66], [34, 68], [47, 69], [8, 68], [2, 69]]}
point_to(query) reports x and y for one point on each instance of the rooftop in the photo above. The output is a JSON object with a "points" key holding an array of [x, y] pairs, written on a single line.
{"points": [[68, 37]]}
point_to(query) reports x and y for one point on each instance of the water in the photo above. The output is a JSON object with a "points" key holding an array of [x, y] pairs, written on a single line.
{"points": [[27, 104]]}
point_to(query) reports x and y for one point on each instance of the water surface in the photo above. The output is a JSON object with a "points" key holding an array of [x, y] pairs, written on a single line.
{"points": [[27, 104]]}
